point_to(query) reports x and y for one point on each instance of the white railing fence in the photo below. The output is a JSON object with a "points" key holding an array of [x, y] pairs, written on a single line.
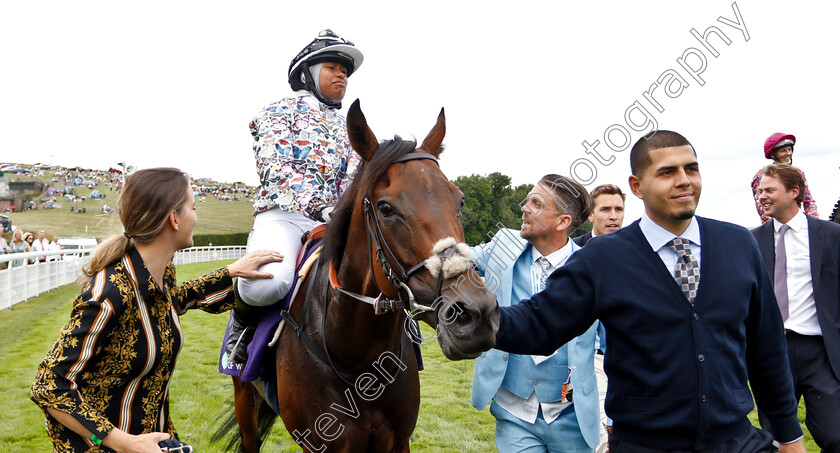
{"points": [[207, 254], [17, 284]]}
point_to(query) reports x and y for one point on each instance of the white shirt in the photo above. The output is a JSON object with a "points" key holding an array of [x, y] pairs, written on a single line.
{"points": [[54, 246], [659, 237], [555, 260], [801, 307], [528, 409], [40, 245]]}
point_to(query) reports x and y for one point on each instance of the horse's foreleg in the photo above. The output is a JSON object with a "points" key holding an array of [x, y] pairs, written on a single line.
{"points": [[244, 403]]}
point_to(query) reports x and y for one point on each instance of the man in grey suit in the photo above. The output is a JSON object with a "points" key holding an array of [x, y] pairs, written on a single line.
{"points": [[803, 253]]}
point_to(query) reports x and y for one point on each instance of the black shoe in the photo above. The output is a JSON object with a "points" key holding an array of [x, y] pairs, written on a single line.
{"points": [[239, 336]]}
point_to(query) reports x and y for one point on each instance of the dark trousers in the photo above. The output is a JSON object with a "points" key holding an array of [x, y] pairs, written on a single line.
{"points": [[753, 440], [814, 380]]}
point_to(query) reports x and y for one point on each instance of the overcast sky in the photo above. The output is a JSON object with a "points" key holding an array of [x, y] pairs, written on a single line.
{"points": [[524, 84]]}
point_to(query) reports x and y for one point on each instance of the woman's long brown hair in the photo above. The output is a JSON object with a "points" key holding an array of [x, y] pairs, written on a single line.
{"points": [[147, 199]]}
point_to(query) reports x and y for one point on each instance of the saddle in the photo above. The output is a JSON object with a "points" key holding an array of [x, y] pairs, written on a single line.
{"points": [[310, 239]]}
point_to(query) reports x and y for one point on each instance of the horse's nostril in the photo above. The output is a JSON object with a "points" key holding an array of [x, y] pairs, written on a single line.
{"points": [[449, 314], [464, 317], [457, 313]]}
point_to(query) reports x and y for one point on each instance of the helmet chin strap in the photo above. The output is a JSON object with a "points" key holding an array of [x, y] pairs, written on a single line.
{"points": [[311, 79]]}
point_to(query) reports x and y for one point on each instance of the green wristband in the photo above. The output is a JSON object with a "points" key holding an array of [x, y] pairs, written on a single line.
{"points": [[95, 439]]}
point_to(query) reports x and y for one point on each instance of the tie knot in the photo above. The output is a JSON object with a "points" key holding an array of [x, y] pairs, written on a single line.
{"points": [[680, 246], [783, 228], [543, 263]]}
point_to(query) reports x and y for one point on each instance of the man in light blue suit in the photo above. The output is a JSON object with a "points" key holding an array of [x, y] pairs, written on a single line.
{"points": [[540, 403]]}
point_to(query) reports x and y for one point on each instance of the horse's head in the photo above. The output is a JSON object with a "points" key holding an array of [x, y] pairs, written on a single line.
{"points": [[406, 216]]}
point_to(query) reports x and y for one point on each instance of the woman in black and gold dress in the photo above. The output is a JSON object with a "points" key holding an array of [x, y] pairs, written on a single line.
{"points": [[104, 385]]}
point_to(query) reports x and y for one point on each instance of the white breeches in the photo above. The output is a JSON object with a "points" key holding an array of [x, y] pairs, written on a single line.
{"points": [[279, 231]]}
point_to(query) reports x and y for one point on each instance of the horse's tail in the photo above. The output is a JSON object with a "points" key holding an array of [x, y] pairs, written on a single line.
{"points": [[265, 420], [227, 424]]}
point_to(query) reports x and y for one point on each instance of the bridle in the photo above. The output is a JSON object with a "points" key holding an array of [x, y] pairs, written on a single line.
{"points": [[397, 275]]}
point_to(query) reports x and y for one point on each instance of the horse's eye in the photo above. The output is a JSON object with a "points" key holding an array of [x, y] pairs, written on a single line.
{"points": [[385, 208], [463, 202]]}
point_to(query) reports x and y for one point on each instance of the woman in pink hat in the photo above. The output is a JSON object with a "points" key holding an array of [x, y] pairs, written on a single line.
{"points": [[779, 148]]}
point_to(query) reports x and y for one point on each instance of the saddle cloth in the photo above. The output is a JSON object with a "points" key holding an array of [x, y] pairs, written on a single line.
{"points": [[256, 366]]}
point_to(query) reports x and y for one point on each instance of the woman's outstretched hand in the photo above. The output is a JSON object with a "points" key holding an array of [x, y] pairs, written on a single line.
{"points": [[247, 265], [126, 443]]}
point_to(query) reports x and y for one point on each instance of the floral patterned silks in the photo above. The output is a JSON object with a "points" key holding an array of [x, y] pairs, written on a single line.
{"points": [[808, 204], [112, 363], [303, 156]]}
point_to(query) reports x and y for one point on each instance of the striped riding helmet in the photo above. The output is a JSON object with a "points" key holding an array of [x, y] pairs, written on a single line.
{"points": [[327, 46]]}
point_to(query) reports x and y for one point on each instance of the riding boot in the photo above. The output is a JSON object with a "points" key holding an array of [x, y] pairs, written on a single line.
{"points": [[241, 331]]}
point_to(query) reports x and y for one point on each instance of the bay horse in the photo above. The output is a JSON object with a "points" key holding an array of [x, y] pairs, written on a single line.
{"points": [[347, 378]]}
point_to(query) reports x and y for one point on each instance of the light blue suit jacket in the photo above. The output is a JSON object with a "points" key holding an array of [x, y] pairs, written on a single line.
{"points": [[499, 264]]}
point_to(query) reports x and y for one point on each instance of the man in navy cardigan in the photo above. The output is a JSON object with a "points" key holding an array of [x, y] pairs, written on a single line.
{"points": [[809, 276], [681, 362]]}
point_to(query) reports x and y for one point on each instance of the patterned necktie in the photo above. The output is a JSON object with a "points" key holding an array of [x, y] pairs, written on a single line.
{"points": [[780, 274], [544, 265], [687, 271]]}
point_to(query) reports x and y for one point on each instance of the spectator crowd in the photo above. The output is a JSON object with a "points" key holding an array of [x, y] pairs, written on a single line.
{"points": [[24, 241]]}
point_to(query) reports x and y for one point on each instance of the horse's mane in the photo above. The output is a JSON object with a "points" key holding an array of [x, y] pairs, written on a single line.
{"points": [[366, 175]]}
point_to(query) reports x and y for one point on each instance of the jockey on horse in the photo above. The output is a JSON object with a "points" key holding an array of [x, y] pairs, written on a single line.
{"points": [[305, 162]]}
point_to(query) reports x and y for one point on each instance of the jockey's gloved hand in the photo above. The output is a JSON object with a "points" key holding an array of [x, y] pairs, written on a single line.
{"points": [[323, 213]]}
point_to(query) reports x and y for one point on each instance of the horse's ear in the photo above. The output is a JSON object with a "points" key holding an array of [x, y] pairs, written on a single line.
{"points": [[361, 137], [433, 142]]}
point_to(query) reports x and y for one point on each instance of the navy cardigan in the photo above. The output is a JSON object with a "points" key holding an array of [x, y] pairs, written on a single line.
{"points": [[678, 373]]}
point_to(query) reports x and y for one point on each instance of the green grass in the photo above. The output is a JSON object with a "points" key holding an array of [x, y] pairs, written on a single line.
{"points": [[447, 422], [199, 393], [232, 216], [28, 331]]}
